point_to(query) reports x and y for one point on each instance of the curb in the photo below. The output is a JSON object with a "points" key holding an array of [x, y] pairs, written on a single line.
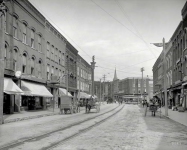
{"points": [[29, 117]]}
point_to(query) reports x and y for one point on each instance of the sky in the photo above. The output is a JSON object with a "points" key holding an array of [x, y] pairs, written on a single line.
{"points": [[118, 33]]}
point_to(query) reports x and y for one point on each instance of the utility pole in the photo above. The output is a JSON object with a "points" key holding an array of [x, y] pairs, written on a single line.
{"points": [[142, 70], [2, 45], [93, 67]]}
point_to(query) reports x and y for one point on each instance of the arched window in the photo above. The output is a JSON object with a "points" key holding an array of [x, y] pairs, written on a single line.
{"points": [[24, 40], [15, 26], [48, 68], [24, 63], [6, 51], [52, 71], [15, 59], [52, 52], [40, 69], [33, 65], [32, 37], [48, 49], [56, 55], [39, 43]]}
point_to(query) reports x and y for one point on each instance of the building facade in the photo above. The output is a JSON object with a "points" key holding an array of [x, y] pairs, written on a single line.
{"points": [[40, 65], [84, 82], [71, 68], [55, 47], [25, 53]]}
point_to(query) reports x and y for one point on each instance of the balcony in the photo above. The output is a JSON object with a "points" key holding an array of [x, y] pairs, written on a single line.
{"points": [[55, 79]]}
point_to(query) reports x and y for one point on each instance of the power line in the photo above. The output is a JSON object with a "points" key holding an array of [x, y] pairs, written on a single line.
{"points": [[61, 30], [121, 24], [123, 11]]}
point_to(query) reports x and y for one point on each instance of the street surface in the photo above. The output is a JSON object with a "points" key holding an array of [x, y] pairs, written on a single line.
{"points": [[127, 129], [19, 131], [130, 130]]}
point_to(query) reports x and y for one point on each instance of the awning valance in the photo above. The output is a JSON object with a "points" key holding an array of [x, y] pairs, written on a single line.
{"points": [[34, 89], [62, 92], [10, 87]]}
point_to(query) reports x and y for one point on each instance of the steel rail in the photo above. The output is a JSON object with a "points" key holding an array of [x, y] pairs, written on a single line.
{"points": [[81, 131], [20, 142]]}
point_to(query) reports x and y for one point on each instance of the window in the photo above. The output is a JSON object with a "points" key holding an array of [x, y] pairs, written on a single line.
{"points": [[40, 69], [48, 49], [78, 71], [24, 63], [56, 72], [32, 66], [52, 52], [52, 71], [15, 57], [39, 43], [56, 55], [15, 24], [5, 53], [24, 33], [32, 38], [48, 77]]}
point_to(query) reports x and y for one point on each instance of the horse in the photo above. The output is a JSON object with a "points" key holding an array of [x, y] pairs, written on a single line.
{"points": [[89, 104]]}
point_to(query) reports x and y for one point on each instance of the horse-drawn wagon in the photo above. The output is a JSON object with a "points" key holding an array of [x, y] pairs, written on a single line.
{"points": [[68, 104], [92, 103]]}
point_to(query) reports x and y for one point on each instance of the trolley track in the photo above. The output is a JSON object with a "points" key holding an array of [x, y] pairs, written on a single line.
{"points": [[22, 141], [54, 145]]}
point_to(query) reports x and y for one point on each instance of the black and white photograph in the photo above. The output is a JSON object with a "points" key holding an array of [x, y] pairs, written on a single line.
{"points": [[93, 75]]}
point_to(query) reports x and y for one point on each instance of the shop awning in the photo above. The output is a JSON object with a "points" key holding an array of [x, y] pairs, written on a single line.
{"points": [[62, 92], [34, 89], [10, 87]]}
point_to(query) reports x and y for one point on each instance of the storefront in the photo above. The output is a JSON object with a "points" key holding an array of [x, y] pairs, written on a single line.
{"points": [[12, 96], [35, 96]]}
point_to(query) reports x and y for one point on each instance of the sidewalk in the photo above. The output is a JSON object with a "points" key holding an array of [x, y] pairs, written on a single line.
{"points": [[180, 117], [25, 115]]}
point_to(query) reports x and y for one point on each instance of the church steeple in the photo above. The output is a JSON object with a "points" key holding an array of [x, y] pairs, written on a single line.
{"points": [[115, 75]]}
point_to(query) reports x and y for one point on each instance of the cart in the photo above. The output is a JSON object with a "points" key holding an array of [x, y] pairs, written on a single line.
{"points": [[153, 108], [68, 104], [92, 103]]}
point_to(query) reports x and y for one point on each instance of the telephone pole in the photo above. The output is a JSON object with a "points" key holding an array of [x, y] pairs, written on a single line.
{"points": [[93, 67], [142, 70], [2, 45]]}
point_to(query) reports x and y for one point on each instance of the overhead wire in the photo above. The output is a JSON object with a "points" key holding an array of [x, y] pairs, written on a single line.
{"points": [[121, 23], [60, 29], [125, 14]]}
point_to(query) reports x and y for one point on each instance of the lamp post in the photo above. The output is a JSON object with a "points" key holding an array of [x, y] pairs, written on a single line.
{"points": [[2, 45]]}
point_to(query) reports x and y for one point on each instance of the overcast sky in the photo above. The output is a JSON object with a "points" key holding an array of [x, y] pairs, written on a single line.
{"points": [[117, 32]]}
